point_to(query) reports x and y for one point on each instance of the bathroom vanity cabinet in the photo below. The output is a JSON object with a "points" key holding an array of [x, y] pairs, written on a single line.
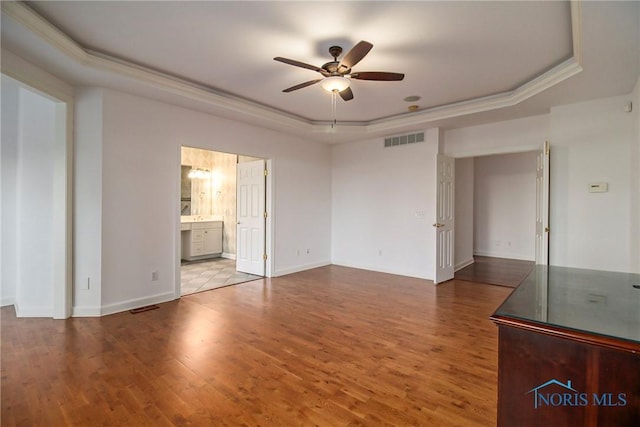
{"points": [[201, 240]]}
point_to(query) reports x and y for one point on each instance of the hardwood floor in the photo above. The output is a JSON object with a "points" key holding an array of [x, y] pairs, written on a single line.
{"points": [[496, 271], [333, 346]]}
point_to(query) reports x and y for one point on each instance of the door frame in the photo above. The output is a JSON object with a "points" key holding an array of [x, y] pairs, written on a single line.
{"points": [[62, 215], [525, 148], [543, 186], [269, 205]]}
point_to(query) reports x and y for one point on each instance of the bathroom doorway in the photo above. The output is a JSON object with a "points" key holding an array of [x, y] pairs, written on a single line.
{"points": [[208, 220]]}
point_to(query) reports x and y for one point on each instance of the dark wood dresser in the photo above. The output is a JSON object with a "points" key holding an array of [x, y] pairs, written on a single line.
{"points": [[569, 350]]}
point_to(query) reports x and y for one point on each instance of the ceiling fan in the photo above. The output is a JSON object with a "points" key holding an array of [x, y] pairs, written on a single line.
{"points": [[337, 74]]}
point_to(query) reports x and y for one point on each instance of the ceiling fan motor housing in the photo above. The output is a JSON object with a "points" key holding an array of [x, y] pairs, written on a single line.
{"points": [[332, 68]]}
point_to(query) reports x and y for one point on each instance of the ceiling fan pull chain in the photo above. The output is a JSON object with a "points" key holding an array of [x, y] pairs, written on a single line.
{"points": [[334, 107]]}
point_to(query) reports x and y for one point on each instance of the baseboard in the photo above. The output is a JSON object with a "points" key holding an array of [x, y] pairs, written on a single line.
{"points": [[298, 268], [4, 302], [228, 256], [507, 255], [33, 311], [136, 303], [463, 264], [85, 312]]}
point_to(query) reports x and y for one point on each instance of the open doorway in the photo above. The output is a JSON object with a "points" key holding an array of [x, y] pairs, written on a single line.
{"points": [[496, 205], [37, 175], [209, 228]]}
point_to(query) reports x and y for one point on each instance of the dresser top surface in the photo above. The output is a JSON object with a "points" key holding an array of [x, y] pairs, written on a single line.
{"points": [[598, 303]]}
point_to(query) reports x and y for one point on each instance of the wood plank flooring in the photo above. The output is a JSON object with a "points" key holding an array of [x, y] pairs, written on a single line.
{"points": [[496, 271], [333, 346]]}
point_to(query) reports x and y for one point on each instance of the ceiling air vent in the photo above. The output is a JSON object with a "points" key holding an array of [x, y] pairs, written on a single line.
{"points": [[412, 138]]}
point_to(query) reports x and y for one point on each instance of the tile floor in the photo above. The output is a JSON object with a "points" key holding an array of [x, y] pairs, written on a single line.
{"points": [[211, 274]]}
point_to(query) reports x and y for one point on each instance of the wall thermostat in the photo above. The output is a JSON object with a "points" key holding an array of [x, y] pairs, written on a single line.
{"points": [[598, 187]]}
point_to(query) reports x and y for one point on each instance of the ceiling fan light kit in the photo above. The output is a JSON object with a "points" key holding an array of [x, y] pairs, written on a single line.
{"points": [[335, 83]]}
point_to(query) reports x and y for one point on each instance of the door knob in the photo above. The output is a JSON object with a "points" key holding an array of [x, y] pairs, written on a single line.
{"points": [[438, 225]]}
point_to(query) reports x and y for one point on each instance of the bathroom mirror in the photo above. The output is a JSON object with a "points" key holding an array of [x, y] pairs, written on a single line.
{"points": [[185, 190]]}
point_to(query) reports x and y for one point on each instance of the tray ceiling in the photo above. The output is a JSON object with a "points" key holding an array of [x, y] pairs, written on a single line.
{"points": [[460, 58]]}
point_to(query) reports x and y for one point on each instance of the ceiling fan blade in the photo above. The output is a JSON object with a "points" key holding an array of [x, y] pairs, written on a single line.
{"points": [[346, 94], [377, 75], [354, 56], [301, 85], [300, 64]]}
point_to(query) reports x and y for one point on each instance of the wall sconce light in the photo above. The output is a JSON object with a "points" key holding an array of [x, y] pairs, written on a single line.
{"points": [[199, 174]]}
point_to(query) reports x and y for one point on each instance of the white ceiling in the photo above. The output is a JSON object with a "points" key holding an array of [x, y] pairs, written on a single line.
{"points": [[454, 54]]}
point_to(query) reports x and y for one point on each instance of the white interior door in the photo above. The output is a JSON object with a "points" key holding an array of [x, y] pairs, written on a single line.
{"points": [[444, 225], [250, 232], [542, 205]]}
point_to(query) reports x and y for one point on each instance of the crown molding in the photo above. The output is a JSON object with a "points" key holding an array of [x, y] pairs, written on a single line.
{"points": [[254, 112], [195, 91], [549, 79], [27, 17], [25, 73]]}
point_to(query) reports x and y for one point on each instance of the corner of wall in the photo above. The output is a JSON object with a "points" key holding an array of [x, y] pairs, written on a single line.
{"points": [[87, 204]]}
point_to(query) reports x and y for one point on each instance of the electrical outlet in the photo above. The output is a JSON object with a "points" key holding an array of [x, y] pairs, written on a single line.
{"points": [[154, 276], [308, 251]]}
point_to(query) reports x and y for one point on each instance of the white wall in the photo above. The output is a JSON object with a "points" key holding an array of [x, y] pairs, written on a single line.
{"points": [[511, 136], [87, 203], [9, 156], [464, 212], [505, 205], [377, 192], [140, 192], [593, 142]]}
